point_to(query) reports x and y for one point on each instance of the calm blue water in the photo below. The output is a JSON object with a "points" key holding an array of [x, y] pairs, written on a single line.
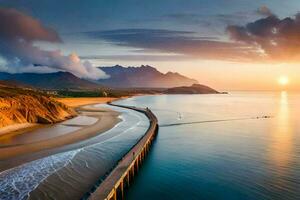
{"points": [[240, 159]]}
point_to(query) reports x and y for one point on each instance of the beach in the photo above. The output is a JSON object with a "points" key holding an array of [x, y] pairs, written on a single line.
{"points": [[71, 170], [24, 150], [76, 102]]}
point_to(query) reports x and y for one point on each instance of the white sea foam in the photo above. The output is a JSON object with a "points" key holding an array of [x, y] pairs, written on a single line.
{"points": [[16, 183]]}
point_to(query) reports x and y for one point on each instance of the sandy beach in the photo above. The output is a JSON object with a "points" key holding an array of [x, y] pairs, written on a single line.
{"points": [[75, 102], [16, 129], [106, 119]]}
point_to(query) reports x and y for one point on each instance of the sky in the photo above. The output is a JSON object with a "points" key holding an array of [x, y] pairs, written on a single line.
{"points": [[226, 44]]}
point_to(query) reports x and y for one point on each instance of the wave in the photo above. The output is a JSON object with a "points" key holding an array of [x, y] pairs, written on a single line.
{"points": [[16, 183]]}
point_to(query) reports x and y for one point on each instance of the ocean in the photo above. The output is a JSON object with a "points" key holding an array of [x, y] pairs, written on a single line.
{"points": [[242, 145]]}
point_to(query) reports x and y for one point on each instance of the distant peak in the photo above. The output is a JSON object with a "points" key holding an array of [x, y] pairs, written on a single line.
{"points": [[172, 73], [143, 76], [149, 68], [146, 66]]}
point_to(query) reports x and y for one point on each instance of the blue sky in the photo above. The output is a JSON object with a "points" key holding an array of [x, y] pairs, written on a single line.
{"points": [[173, 35], [75, 15]]}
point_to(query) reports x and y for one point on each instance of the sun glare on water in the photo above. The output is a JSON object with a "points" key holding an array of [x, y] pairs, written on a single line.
{"points": [[283, 80]]}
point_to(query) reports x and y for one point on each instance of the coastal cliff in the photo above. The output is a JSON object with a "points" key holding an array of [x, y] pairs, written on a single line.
{"points": [[28, 106]]}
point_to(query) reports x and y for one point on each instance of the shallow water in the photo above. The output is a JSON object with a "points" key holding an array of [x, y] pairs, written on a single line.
{"points": [[48, 132], [251, 158]]}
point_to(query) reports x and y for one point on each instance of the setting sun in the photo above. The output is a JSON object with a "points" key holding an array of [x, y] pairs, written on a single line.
{"points": [[283, 80]]}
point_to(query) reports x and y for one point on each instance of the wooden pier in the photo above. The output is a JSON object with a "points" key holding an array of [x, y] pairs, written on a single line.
{"points": [[114, 185]]}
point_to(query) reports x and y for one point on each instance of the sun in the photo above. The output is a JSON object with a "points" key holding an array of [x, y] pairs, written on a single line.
{"points": [[283, 80]]}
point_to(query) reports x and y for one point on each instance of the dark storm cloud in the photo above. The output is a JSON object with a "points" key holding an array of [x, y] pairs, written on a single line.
{"points": [[180, 42], [278, 38], [15, 25], [19, 32]]}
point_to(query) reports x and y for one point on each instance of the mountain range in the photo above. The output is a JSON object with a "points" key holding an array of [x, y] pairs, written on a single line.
{"points": [[57, 80], [120, 77], [144, 76]]}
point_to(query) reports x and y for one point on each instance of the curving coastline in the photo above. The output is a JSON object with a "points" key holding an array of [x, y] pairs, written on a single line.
{"points": [[76, 160], [25, 151], [114, 184], [94, 162]]}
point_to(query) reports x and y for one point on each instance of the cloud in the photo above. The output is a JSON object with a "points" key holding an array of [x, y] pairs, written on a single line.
{"points": [[178, 42], [264, 11], [278, 39], [268, 39], [15, 24], [18, 34]]}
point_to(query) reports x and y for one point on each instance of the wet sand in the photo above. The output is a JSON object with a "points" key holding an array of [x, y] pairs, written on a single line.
{"points": [[17, 129], [14, 155]]}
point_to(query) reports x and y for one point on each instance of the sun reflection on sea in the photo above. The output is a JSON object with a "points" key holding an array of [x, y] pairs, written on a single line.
{"points": [[282, 140]]}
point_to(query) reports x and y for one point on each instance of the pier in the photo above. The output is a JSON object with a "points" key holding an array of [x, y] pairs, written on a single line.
{"points": [[114, 185]]}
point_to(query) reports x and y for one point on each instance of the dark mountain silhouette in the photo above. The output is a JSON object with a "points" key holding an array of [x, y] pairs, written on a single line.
{"points": [[57, 80], [143, 77], [194, 89]]}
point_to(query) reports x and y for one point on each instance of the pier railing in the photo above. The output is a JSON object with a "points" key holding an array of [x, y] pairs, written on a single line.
{"points": [[120, 178]]}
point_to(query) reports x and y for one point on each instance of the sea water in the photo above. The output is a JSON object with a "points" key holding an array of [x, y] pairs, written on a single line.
{"points": [[244, 145]]}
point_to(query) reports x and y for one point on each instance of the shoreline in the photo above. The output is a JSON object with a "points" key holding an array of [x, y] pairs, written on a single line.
{"points": [[12, 156], [75, 103]]}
